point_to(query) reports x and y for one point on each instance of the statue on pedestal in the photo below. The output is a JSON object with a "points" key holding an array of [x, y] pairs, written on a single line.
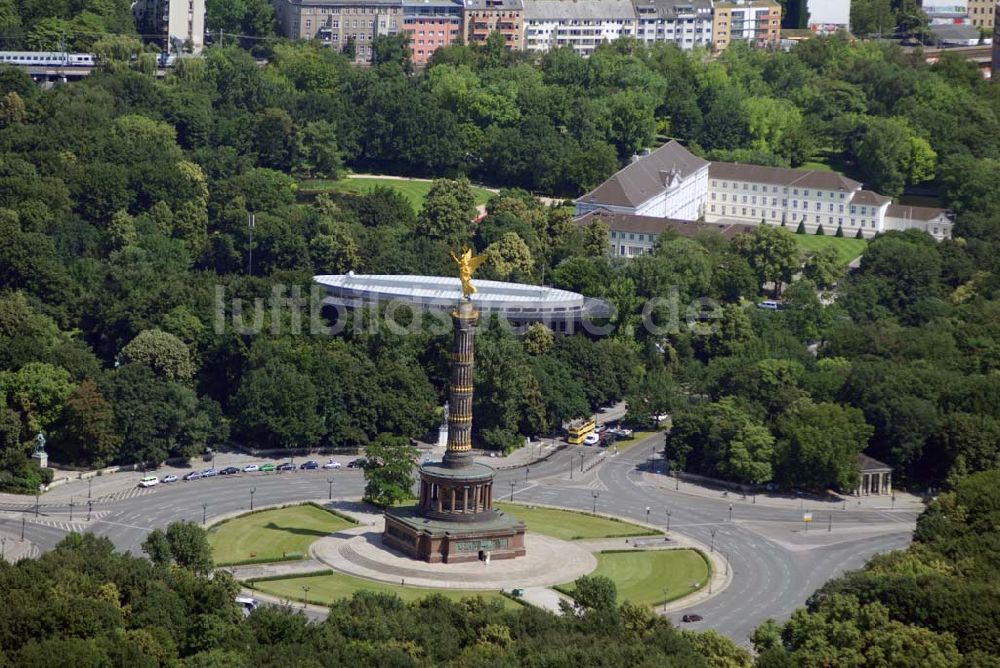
{"points": [[39, 452], [467, 264]]}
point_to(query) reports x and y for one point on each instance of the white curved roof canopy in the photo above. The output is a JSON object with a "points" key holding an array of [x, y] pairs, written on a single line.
{"points": [[445, 291]]}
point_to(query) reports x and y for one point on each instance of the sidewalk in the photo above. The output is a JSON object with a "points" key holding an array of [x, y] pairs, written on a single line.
{"points": [[903, 500]]}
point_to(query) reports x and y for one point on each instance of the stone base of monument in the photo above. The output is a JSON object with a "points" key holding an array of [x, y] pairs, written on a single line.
{"points": [[499, 536], [42, 458]]}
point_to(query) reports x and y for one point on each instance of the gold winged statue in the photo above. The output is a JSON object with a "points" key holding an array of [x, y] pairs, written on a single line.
{"points": [[467, 264]]}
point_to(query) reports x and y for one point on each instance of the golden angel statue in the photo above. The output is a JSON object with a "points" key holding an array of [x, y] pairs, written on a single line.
{"points": [[467, 264]]}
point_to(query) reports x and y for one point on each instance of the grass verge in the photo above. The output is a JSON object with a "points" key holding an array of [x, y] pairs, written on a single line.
{"points": [[571, 525], [847, 248], [653, 577], [325, 588], [273, 535], [414, 191]]}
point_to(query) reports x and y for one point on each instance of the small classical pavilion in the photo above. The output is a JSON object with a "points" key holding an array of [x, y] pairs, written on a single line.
{"points": [[875, 476]]}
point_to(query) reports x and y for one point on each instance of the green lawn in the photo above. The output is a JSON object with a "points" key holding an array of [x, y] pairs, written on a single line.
{"points": [[627, 443], [650, 576], [327, 588], [414, 191], [847, 248], [569, 525], [272, 534]]}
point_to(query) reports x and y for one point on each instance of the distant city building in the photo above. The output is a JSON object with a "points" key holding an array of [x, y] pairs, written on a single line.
{"points": [[672, 183], [337, 23], [686, 23], [829, 16], [946, 11], [431, 24], [580, 25], [757, 22], [982, 14], [177, 26], [483, 17], [956, 34]]}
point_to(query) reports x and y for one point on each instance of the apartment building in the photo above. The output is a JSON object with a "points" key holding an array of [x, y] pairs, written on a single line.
{"points": [[579, 24], [982, 14], [671, 183], [177, 26], [431, 24], [337, 23], [755, 21], [483, 17], [686, 23]]}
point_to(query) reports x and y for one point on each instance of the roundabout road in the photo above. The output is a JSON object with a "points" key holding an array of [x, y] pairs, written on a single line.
{"points": [[775, 565]]}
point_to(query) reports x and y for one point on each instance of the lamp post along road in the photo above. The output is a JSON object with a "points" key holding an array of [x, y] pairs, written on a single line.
{"points": [[23, 521], [730, 512], [305, 595], [669, 513], [329, 495], [71, 504], [204, 513], [647, 514], [253, 490], [712, 549], [596, 496], [90, 508], [513, 484]]}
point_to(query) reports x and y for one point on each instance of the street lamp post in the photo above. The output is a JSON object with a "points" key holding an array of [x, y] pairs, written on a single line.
{"points": [[513, 484], [894, 501], [581, 462], [647, 514], [3, 549], [90, 481], [571, 468], [36, 503], [713, 539], [305, 595], [665, 597], [829, 524], [71, 504], [204, 513], [677, 480], [253, 490], [726, 557], [527, 470], [23, 521], [329, 496], [669, 513], [90, 507], [596, 496], [730, 512]]}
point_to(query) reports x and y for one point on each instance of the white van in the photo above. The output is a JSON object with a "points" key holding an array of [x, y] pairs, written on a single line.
{"points": [[769, 304], [149, 481]]}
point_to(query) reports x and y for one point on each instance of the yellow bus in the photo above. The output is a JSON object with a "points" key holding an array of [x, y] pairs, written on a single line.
{"points": [[577, 430]]}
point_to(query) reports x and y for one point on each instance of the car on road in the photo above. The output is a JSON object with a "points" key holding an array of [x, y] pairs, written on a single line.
{"points": [[266, 468], [287, 466], [691, 618], [149, 481], [169, 478], [592, 439], [358, 463], [250, 468], [601, 428], [229, 470], [193, 475], [332, 465], [310, 465], [621, 432], [209, 473]]}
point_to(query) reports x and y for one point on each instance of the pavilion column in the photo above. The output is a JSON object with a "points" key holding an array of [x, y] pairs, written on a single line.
{"points": [[465, 499], [437, 490], [452, 507], [888, 482]]}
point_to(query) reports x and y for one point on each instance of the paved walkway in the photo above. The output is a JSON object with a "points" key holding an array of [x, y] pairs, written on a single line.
{"points": [[904, 500]]}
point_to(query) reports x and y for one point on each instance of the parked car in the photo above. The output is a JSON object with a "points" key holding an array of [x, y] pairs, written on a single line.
{"points": [[229, 470], [358, 463], [266, 468], [208, 473], [169, 478], [310, 465], [149, 481], [287, 466], [193, 475], [592, 439], [250, 468], [601, 428], [332, 465], [691, 618]]}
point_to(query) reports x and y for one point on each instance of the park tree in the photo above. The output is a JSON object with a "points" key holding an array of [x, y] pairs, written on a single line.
{"points": [[823, 267], [393, 49], [278, 407], [510, 258], [448, 212], [772, 253], [183, 544], [389, 470], [86, 432], [317, 154], [819, 443], [538, 339], [164, 353], [37, 391], [872, 17]]}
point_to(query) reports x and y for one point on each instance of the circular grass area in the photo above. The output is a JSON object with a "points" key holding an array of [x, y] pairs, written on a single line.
{"points": [[652, 577], [572, 525], [326, 588], [278, 534]]}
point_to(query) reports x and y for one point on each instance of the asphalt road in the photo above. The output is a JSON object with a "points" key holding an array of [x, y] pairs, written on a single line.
{"points": [[775, 567]]}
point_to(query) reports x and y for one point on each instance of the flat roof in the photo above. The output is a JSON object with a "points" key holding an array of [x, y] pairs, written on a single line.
{"points": [[444, 292]]}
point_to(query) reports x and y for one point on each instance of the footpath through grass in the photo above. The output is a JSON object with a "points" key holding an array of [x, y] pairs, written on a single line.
{"points": [[327, 588], [569, 525], [414, 191], [847, 249], [272, 535], [652, 577]]}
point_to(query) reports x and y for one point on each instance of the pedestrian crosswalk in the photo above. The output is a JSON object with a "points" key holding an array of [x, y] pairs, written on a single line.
{"points": [[123, 494]]}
